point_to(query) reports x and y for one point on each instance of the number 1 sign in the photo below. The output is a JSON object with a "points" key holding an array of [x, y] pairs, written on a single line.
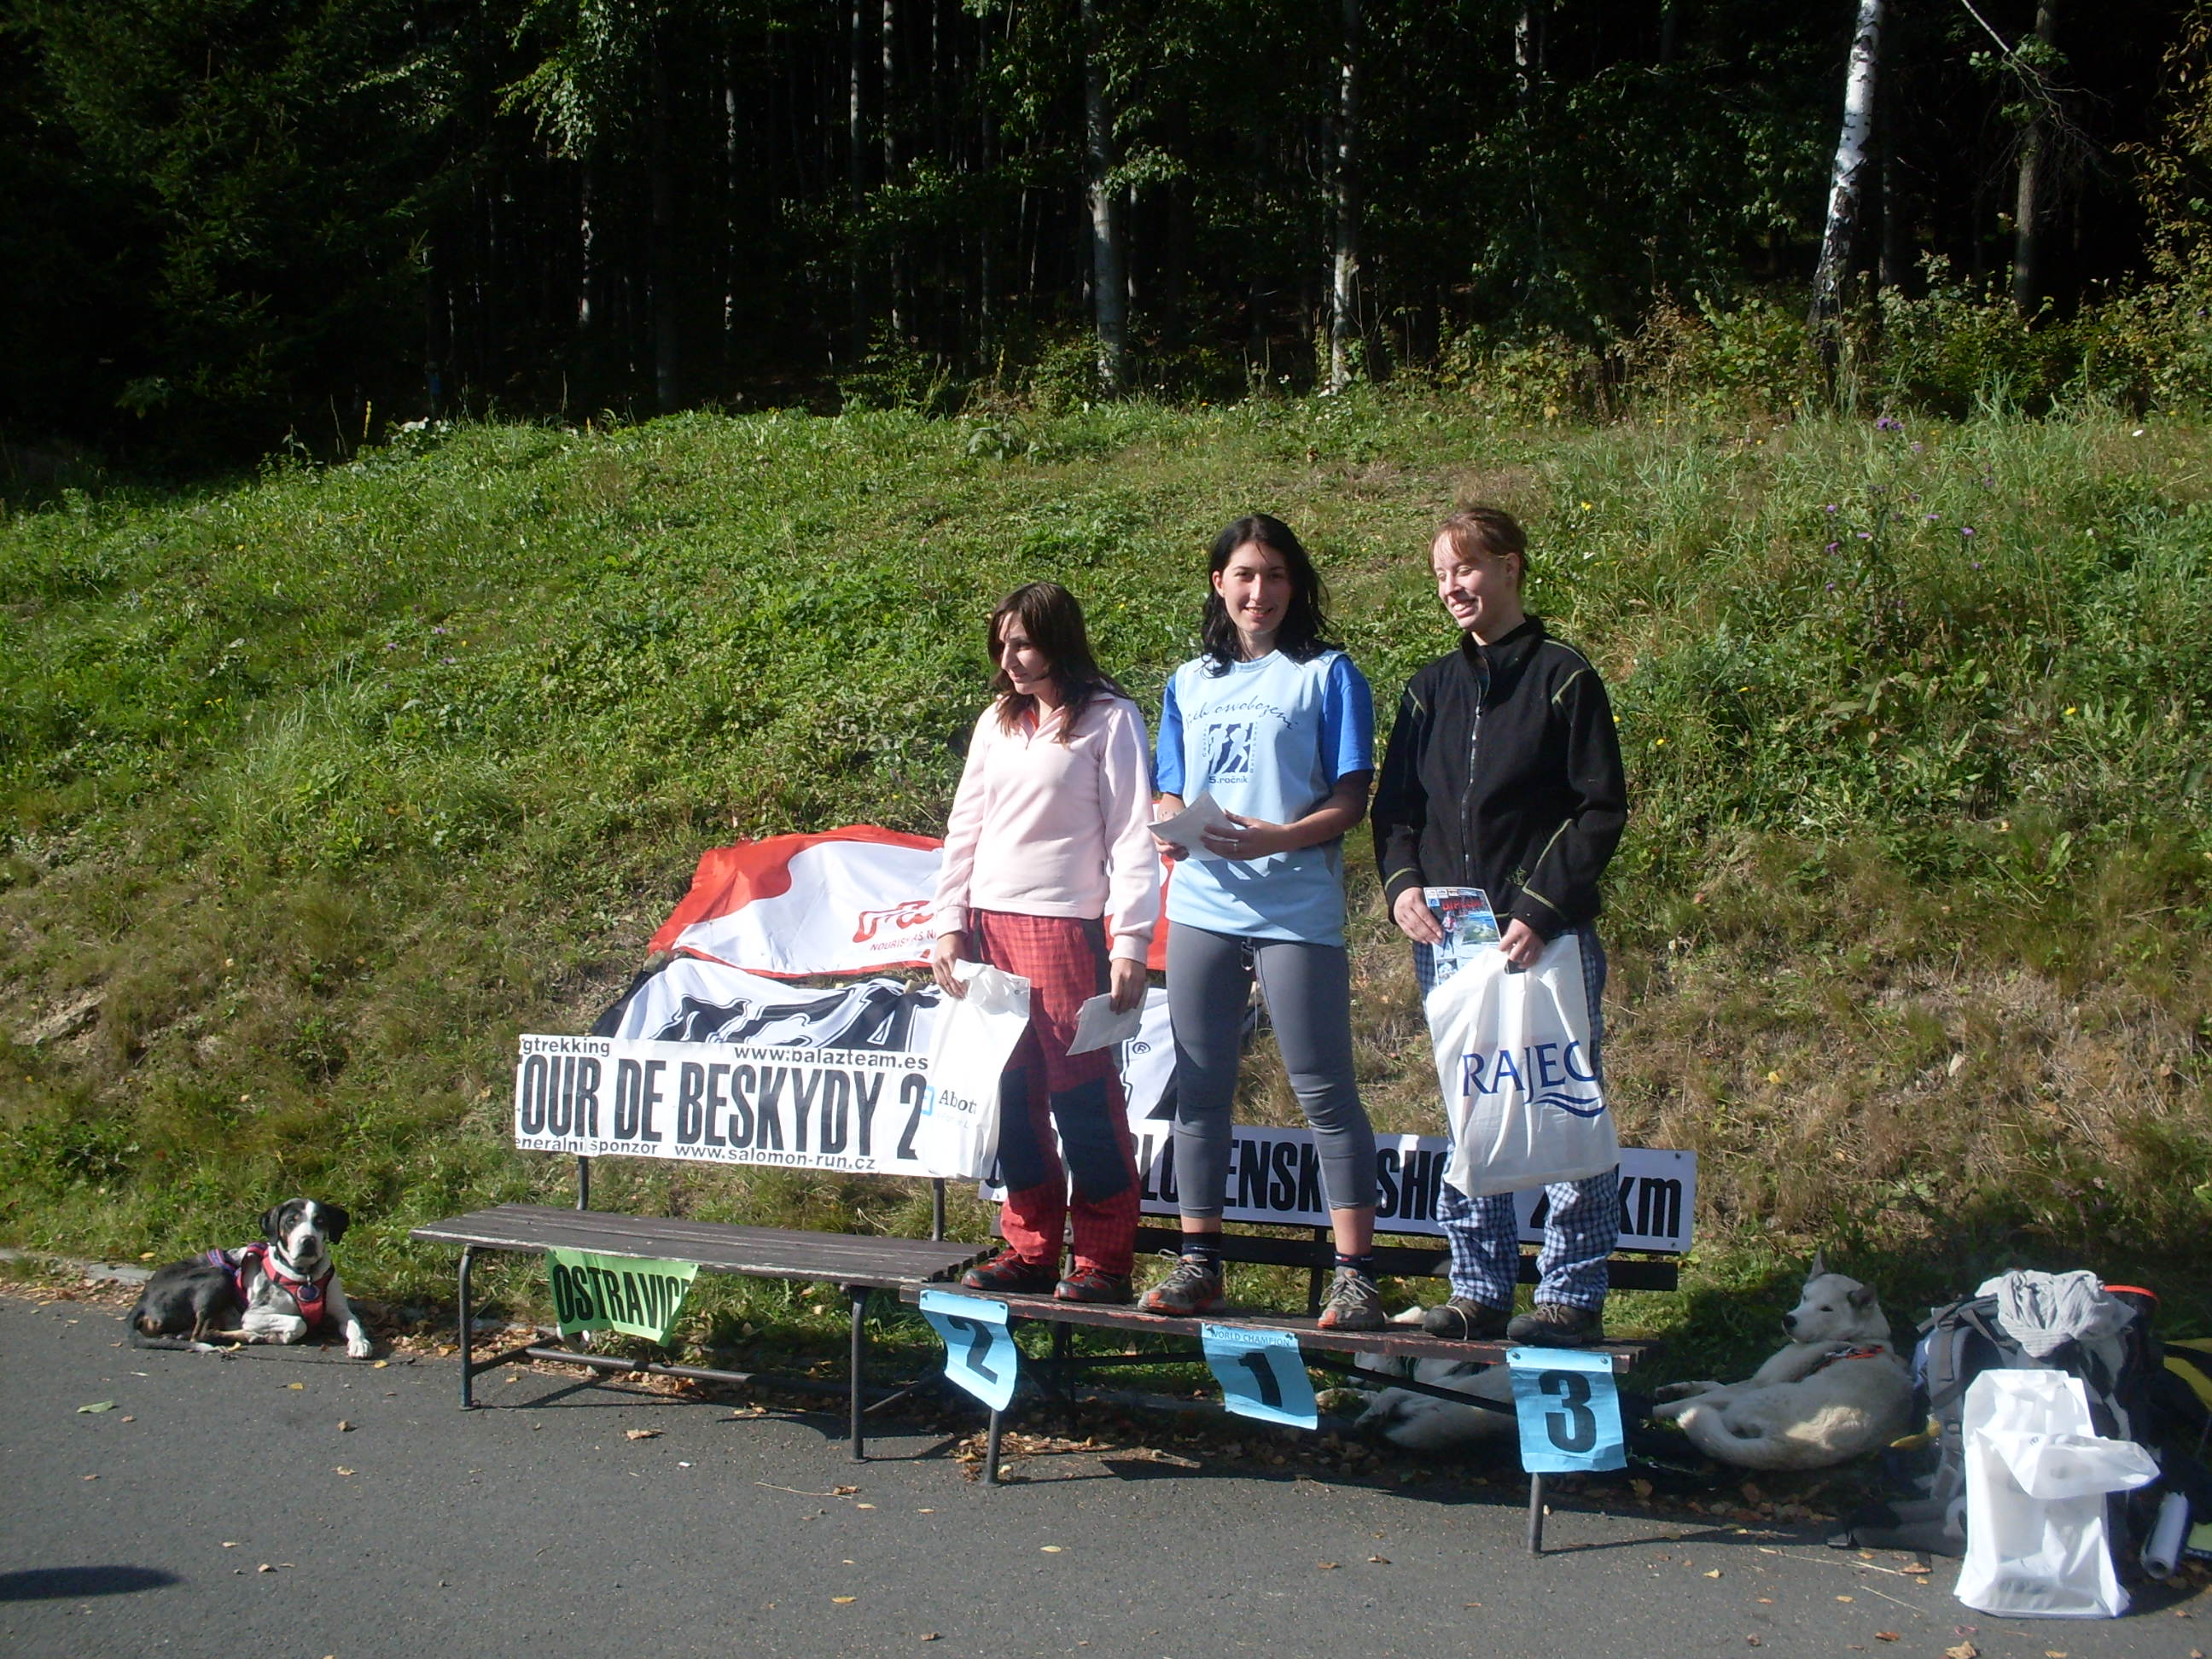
{"points": [[1261, 1374], [980, 1354], [1569, 1411]]}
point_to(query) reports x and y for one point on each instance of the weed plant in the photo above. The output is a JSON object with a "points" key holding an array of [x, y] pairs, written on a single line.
{"points": [[321, 788]]}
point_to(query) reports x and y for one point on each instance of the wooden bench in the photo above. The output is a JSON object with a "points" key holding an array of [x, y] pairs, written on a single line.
{"points": [[856, 1265]]}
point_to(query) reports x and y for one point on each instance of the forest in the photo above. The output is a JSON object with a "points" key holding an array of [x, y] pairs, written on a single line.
{"points": [[238, 227]]}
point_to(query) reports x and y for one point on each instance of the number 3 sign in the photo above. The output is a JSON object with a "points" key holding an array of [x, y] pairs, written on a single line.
{"points": [[980, 1354], [1569, 1411]]}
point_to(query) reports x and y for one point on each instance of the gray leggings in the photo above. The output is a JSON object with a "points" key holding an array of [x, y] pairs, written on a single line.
{"points": [[1308, 993]]}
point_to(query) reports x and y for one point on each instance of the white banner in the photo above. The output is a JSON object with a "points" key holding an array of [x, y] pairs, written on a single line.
{"points": [[703, 1063]]}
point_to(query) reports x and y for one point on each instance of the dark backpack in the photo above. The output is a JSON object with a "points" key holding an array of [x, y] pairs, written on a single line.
{"points": [[1957, 1344]]}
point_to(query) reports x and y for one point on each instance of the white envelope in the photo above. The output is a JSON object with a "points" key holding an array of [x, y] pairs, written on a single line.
{"points": [[1186, 829], [1097, 1026]]}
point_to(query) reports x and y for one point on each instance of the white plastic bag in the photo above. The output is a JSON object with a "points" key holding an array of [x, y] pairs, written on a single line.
{"points": [[2037, 1474], [1521, 1089], [969, 1043]]}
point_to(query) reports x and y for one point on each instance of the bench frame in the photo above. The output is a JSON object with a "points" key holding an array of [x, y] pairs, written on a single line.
{"points": [[900, 1265]]}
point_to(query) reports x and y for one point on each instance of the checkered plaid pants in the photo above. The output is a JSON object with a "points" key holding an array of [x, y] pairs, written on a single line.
{"points": [[1581, 1222], [1052, 1103]]}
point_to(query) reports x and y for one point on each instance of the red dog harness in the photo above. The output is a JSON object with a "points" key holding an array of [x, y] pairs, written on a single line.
{"points": [[313, 1295], [1840, 1353]]}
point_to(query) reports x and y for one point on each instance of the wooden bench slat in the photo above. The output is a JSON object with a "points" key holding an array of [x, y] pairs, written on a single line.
{"points": [[1397, 1261], [1397, 1341], [761, 1252]]}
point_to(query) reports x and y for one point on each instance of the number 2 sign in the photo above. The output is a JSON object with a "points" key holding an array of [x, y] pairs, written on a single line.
{"points": [[1569, 1411], [980, 1354]]}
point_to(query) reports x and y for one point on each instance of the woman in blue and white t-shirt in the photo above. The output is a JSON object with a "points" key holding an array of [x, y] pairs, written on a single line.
{"points": [[1277, 726]]}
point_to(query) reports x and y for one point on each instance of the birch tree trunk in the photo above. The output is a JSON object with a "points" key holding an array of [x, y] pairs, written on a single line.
{"points": [[1345, 268], [660, 255], [855, 179], [1110, 286], [1844, 186], [2028, 205]]}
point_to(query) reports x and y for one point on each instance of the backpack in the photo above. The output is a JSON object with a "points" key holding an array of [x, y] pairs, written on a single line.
{"points": [[1957, 1344]]}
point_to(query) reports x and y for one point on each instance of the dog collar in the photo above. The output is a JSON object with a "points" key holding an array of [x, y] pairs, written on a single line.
{"points": [[312, 1295]]}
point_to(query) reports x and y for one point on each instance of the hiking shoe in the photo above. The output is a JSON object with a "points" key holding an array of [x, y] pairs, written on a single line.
{"points": [[1012, 1273], [1191, 1286], [1088, 1284], [1557, 1325], [1355, 1303], [1465, 1320]]}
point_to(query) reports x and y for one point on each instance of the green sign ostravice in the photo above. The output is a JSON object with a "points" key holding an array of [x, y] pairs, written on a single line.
{"points": [[618, 1293]]}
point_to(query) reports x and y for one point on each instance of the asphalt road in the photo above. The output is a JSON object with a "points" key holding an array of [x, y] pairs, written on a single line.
{"points": [[219, 1508]]}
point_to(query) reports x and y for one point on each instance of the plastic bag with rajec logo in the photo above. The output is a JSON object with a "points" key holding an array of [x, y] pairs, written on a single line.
{"points": [[2036, 1475], [969, 1043], [1520, 1085]]}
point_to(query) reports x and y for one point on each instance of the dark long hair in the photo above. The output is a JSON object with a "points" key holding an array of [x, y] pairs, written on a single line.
{"points": [[1304, 633], [1053, 622]]}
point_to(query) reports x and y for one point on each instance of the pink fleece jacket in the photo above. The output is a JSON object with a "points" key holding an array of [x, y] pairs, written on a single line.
{"points": [[1040, 827]]}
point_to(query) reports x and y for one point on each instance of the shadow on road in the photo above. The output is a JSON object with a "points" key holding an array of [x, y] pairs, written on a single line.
{"points": [[74, 1583]]}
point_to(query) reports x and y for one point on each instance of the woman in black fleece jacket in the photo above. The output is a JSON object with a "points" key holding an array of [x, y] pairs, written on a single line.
{"points": [[1504, 773]]}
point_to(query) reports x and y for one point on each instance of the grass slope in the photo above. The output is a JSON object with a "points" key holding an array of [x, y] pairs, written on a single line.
{"points": [[320, 787]]}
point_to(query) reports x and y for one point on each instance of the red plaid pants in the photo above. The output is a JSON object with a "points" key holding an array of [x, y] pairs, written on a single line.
{"points": [[1045, 1089]]}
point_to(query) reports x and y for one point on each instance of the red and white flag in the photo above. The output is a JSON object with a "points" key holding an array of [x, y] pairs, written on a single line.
{"points": [[854, 900], [849, 900]]}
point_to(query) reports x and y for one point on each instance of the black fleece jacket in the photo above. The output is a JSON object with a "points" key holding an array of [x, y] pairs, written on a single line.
{"points": [[1504, 773]]}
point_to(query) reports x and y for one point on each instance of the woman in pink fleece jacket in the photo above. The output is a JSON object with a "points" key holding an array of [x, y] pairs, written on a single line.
{"points": [[1048, 852]]}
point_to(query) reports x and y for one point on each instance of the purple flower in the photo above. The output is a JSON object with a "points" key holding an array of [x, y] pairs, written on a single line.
{"points": [[1888, 423], [1866, 535], [1832, 587], [391, 645], [1916, 449], [1932, 517], [1978, 564], [1832, 546], [441, 630], [1828, 506], [1966, 530]]}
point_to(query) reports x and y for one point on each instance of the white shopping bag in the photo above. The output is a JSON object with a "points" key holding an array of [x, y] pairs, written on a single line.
{"points": [[969, 1043], [1521, 1088], [2037, 1474]]}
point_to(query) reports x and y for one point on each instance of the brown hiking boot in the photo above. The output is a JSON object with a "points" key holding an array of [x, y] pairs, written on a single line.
{"points": [[1465, 1320], [1558, 1325]]}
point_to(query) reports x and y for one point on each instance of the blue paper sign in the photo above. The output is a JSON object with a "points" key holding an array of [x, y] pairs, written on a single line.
{"points": [[1569, 1411], [1261, 1375], [980, 1354]]}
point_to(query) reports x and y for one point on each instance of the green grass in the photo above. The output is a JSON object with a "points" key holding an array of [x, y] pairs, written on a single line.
{"points": [[321, 786]]}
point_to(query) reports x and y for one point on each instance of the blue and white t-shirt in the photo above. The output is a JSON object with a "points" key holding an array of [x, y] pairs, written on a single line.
{"points": [[1270, 739]]}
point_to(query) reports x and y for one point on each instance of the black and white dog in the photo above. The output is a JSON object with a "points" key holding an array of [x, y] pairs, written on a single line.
{"points": [[282, 1289]]}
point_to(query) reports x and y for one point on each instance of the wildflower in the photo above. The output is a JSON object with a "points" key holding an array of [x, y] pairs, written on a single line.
{"points": [[441, 630], [1888, 423], [1866, 535], [1832, 587], [2069, 713], [1916, 449], [1832, 546], [1932, 517], [1966, 530], [1827, 507], [1978, 564]]}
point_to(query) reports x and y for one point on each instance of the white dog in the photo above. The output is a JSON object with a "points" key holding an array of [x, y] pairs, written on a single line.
{"points": [[1836, 1390], [1423, 1423]]}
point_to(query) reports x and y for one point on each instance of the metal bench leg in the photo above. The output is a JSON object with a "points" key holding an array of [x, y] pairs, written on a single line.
{"points": [[1535, 1515], [859, 1368], [991, 1450], [468, 1321]]}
